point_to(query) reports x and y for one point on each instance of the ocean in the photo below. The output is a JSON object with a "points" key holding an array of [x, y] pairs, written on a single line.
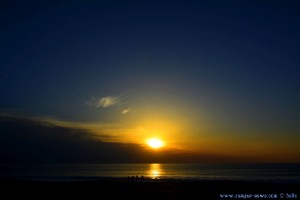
{"points": [[155, 171]]}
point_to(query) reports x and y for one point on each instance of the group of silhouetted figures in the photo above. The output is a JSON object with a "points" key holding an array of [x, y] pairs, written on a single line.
{"points": [[135, 179]]}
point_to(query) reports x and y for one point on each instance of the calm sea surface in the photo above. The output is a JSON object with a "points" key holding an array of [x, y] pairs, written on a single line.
{"points": [[256, 172]]}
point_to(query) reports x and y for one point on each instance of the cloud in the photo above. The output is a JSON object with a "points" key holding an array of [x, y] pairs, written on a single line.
{"points": [[103, 102], [29, 140], [126, 110], [25, 140], [109, 101]]}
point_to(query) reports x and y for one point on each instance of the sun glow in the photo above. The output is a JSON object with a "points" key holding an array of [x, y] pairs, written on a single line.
{"points": [[155, 143], [155, 171]]}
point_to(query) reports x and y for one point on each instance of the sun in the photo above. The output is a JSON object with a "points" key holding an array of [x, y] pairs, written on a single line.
{"points": [[155, 143]]}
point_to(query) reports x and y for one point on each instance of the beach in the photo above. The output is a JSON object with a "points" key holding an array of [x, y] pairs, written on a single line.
{"points": [[149, 189]]}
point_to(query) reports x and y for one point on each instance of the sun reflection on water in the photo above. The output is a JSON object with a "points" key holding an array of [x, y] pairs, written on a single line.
{"points": [[155, 171]]}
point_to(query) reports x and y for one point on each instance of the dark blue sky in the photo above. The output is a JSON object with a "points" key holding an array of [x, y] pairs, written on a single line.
{"points": [[235, 63]]}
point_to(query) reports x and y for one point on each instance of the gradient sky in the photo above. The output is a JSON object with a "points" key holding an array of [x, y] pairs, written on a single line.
{"points": [[209, 78]]}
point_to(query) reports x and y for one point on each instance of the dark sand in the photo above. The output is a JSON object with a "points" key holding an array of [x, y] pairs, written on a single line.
{"points": [[160, 189]]}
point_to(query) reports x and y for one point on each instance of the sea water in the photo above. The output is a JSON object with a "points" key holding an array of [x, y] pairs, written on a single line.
{"points": [[155, 171]]}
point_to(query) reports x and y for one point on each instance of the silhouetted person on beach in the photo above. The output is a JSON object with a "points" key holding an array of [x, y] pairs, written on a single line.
{"points": [[132, 179], [137, 179], [142, 179]]}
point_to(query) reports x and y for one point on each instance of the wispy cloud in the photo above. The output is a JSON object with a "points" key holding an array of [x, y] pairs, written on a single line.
{"points": [[103, 102], [126, 110], [110, 101]]}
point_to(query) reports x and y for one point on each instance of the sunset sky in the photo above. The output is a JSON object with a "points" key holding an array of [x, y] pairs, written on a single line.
{"points": [[216, 81]]}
